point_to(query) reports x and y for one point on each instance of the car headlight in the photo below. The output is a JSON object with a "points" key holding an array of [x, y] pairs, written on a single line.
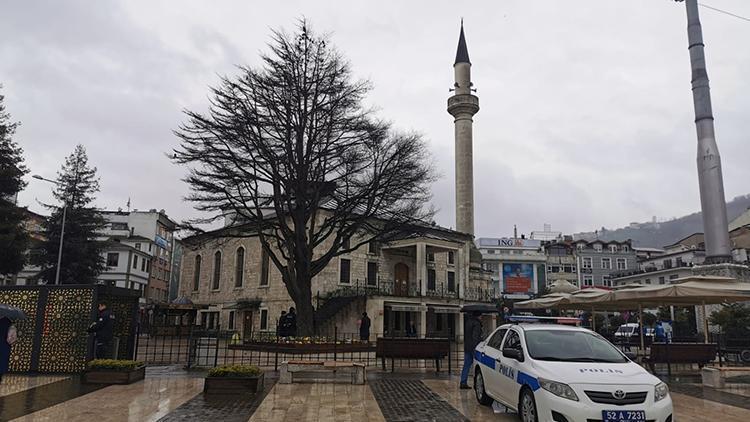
{"points": [[559, 389], [660, 391]]}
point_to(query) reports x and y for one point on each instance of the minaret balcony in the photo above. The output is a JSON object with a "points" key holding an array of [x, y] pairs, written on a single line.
{"points": [[462, 104]]}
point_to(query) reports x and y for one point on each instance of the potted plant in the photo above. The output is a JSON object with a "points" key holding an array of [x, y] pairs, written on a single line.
{"points": [[111, 371], [233, 379]]}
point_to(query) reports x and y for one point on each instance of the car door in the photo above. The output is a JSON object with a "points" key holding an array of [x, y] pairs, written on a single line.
{"points": [[508, 369], [489, 358]]}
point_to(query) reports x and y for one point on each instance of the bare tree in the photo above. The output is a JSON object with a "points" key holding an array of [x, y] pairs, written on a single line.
{"points": [[290, 149]]}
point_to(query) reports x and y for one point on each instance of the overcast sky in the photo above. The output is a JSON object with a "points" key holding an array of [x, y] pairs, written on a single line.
{"points": [[586, 113]]}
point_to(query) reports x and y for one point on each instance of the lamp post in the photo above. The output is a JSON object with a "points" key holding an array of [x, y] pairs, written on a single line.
{"points": [[62, 228]]}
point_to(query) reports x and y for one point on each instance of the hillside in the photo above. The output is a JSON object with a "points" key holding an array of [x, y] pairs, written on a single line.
{"points": [[657, 235]]}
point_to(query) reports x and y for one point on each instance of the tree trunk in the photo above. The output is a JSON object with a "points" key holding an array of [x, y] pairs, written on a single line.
{"points": [[302, 297]]}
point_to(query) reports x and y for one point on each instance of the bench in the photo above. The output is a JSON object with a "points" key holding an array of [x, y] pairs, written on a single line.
{"points": [[413, 348], [716, 377], [288, 368], [698, 353]]}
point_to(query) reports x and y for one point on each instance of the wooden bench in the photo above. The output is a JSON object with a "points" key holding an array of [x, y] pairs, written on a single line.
{"points": [[698, 353], [288, 368], [413, 348]]}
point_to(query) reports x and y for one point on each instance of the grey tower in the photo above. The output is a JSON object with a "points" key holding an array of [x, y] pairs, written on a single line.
{"points": [[463, 105], [710, 179]]}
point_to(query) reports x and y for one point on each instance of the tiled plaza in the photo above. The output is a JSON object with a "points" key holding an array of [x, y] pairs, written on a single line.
{"points": [[169, 394]]}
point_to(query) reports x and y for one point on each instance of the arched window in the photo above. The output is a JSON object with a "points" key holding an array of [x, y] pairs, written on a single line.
{"points": [[197, 273], [217, 271], [239, 267]]}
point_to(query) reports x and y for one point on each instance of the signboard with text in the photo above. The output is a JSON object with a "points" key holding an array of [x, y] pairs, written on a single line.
{"points": [[518, 278]]}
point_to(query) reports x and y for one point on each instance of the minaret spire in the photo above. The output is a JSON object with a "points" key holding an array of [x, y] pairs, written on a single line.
{"points": [[463, 105]]}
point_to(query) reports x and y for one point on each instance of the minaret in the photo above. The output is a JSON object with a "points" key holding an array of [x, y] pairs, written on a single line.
{"points": [[463, 105], [710, 180]]}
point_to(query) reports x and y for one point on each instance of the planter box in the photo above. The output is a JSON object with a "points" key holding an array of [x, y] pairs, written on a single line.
{"points": [[108, 376], [233, 385]]}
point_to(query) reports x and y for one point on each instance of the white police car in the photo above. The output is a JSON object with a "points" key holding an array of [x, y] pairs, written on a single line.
{"points": [[559, 373]]}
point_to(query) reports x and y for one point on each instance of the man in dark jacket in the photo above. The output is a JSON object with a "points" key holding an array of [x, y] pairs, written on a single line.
{"points": [[291, 322], [364, 327], [103, 332], [281, 329], [472, 337]]}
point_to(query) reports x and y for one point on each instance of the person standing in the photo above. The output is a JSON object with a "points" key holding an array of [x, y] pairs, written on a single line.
{"points": [[5, 326], [281, 325], [291, 318], [472, 337], [364, 327], [103, 332]]}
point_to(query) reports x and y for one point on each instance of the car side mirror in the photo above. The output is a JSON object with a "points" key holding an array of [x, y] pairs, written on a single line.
{"points": [[513, 354]]}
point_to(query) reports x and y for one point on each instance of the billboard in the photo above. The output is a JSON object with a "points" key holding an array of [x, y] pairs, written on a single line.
{"points": [[518, 278]]}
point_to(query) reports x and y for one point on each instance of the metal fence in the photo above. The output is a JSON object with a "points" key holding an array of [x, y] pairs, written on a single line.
{"points": [[200, 348]]}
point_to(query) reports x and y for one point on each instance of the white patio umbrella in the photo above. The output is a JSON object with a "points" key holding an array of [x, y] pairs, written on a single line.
{"points": [[551, 300]]}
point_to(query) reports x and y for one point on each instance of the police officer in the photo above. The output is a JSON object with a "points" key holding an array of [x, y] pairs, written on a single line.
{"points": [[103, 331]]}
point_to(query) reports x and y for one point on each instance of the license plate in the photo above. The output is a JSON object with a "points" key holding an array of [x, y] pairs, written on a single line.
{"points": [[623, 416]]}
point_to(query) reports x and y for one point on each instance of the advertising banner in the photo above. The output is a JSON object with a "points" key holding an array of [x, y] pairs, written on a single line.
{"points": [[518, 278]]}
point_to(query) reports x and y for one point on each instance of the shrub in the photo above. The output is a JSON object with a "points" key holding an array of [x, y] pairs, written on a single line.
{"points": [[234, 371], [114, 365]]}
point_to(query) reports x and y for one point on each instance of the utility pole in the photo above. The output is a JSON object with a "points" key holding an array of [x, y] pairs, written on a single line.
{"points": [[62, 228], [710, 180]]}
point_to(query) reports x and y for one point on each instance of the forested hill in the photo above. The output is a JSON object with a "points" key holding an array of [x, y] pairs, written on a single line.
{"points": [[665, 232]]}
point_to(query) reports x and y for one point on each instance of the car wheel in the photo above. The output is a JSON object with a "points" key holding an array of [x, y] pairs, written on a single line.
{"points": [[745, 356], [479, 390], [527, 407]]}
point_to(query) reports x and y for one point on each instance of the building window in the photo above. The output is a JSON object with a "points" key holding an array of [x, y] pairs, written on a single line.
{"points": [[135, 262], [138, 246], [119, 226], [580, 246], [674, 277], [239, 267], [667, 263], [648, 281], [149, 247], [217, 271], [113, 259], [345, 271], [597, 247], [588, 280], [451, 258], [451, 281], [625, 248], [264, 319], [148, 266], [346, 243], [587, 263], [613, 248], [231, 320], [264, 268], [372, 247], [607, 263], [607, 281], [372, 273], [431, 279], [661, 280], [197, 273], [143, 264], [430, 256], [622, 264]]}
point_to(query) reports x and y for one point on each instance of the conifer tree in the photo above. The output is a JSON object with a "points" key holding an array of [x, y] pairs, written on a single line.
{"points": [[13, 238], [76, 187]]}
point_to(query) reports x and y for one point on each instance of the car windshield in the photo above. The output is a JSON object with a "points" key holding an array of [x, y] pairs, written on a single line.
{"points": [[571, 346]]}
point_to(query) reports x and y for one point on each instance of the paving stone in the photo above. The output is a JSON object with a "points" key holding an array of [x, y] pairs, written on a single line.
{"points": [[404, 400]]}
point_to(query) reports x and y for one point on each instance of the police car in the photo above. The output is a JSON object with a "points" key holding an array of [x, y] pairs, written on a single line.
{"points": [[550, 372]]}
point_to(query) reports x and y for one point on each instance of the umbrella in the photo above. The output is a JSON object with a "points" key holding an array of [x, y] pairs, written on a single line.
{"points": [[10, 312], [482, 308], [547, 301], [562, 286]]}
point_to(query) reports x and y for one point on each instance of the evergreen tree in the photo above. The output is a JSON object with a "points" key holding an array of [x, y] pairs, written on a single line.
{"points": [[81, 257], [13, 238]]}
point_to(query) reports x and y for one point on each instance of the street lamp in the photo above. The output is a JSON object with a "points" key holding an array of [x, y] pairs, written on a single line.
{"points": [[62, 228]]}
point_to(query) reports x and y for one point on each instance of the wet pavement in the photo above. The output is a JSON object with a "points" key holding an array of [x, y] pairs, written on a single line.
{"points": [[170, 394]]}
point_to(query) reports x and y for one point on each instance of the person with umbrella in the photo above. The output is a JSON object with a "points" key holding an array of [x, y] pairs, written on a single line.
{"points": [[103, 332], [8, 335]]}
